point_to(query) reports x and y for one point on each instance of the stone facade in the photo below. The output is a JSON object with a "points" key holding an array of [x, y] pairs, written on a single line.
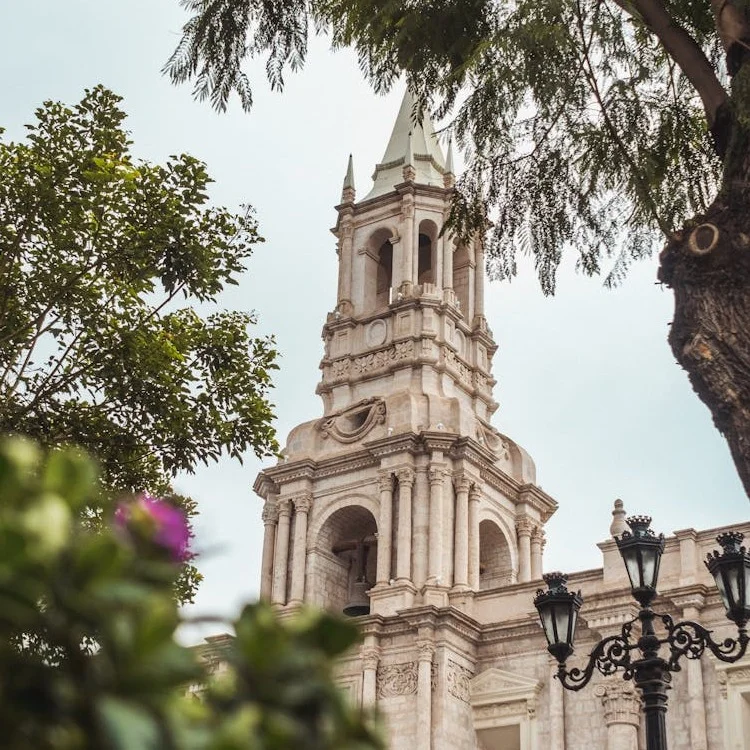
{"points": [[405, 500]]}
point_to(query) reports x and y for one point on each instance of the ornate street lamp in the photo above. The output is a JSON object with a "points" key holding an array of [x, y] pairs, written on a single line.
{"points": [[638, 656]]}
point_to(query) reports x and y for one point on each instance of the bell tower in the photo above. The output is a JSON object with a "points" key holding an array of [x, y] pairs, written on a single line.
{"points": [[402, 495]]}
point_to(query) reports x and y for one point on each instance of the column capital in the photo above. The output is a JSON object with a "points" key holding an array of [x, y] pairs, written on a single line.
{"points": [[426, 650], [284, 506], [385, 481], [405, 476], [524, 526], [621, 703], [462, 482], [437, 474], [270, 513], [537, 535], [370, 657], [303, 502], [475, 494]]}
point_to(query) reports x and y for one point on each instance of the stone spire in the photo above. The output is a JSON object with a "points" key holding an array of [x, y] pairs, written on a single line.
{"points": [[428, 160], [348, 192]]}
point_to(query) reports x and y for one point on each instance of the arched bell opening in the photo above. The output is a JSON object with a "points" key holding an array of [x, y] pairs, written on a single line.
{"points": [[346, 561], [427, 253], [495, 561], [462, 278]]}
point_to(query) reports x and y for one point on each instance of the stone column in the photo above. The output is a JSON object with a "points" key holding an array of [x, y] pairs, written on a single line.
{"points": [[479, 281], [424, 695], [696, 697], [435, 568], [474, 498], [281, 552], [421, 514], [403, 555], [302, 505], [447, 261], [345, 267], [270, 519], [407, 242], [370, 659], [461, 543], [385, 528], [621, 713], [556, 709], [524, 527], [537, 545]]}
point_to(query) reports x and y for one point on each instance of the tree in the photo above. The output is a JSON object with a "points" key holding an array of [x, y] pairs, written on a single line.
{"points": [[593, 128], [102, 262], [112, 675]]}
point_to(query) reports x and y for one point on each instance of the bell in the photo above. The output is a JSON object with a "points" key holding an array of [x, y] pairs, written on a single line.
{"points": [[359, 603]]}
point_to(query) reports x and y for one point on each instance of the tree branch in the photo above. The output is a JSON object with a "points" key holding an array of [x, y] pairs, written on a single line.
{"points": [[684, 50]]}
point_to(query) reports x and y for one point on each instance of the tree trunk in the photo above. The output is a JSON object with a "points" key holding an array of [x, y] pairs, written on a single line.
{"points": [[707, 264]]}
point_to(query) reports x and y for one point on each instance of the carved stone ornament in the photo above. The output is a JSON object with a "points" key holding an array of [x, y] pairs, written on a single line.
{"points": [[405, 476], [303, 502], [459, 681], [524, 526], [370, 658], [353, 423], [270, 512], [284, 506], [437, 475], [397, 679], [621, 703], [385, 482], [491, 439]]}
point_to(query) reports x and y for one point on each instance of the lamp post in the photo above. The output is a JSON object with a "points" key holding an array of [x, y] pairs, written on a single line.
{"points": [[638, 654]]}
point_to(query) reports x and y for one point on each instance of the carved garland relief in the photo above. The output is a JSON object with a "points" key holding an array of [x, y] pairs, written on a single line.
{"points": [[458, 679], [397, 679]]}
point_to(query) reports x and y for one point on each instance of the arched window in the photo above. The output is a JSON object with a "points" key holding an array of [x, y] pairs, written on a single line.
{"points": [[384, 278], [427, 253], [461, 278], [495, 565]]}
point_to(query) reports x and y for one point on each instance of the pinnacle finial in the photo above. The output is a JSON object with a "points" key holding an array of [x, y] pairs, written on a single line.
{"points": [[449, 160], [618, 519], [348, 192], [410, 172], [449, 178]]}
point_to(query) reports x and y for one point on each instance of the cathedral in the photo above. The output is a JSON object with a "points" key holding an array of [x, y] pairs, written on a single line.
{"points": [[404, 507]]}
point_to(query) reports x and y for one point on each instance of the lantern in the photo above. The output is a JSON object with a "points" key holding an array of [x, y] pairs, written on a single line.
{"points": [[558, 611], [641, 552]]}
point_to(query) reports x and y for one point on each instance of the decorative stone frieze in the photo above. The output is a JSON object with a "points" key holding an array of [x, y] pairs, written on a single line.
{"points": [[397, 679]]}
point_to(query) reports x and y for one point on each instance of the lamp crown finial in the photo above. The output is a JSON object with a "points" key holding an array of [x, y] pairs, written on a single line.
{"points": [[640, 526], [731, 541]]}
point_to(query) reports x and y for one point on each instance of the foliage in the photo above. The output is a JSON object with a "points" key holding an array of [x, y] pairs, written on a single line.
{"points": [[96, 252], [111, 675], [584, 133]]}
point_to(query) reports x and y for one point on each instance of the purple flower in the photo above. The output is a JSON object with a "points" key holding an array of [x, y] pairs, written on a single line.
{"points": [[158, 521]]}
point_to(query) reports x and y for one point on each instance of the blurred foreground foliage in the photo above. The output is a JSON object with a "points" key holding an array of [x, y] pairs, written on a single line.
{"points": [[88, 656]]}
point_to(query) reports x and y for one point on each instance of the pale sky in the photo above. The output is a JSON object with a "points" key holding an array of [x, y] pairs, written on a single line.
{"points": [[586, 381]]}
